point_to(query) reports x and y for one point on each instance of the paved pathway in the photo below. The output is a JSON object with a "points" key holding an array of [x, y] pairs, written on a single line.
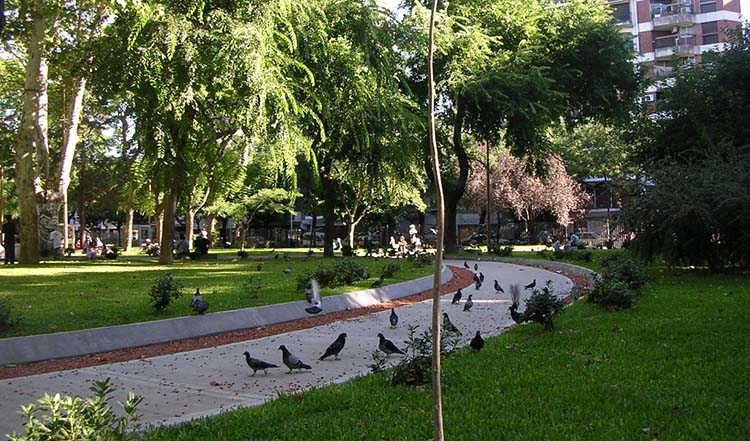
{"points": [[182, 386]]}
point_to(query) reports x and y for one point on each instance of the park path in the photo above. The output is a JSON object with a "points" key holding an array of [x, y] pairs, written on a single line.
{"points": [[187, 385]]}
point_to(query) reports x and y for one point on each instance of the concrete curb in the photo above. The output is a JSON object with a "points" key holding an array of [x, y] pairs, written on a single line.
{"points": [[70, 344], [552, 266]]}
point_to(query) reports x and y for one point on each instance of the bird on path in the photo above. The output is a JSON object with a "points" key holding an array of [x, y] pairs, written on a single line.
{"points": [[530, 285], [515, 315], [477, 284], [197, 303], [378, 283], [456, 297], [498, 288], [466, 265], [317, 301], [481, 277], [308, 294], [469, 304], [393, 318], [388, 347], [477, 343], [448, 325], [291, 361], [476, 278], [335, 347], [258, 365], [476, 267]]}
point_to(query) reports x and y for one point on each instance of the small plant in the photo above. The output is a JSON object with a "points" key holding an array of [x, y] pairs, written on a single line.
{"points": [[415, 369], [63, 417], [243, 254], [391, 268], [343, 272], [613, 295], [573, 255], [423, 259], [252, 285], [379, 364], [7, 321], [165, 289], [543, 306], [505, 251], [623, 267]]}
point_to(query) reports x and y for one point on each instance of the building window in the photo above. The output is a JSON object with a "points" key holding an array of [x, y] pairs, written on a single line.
{"points": [[710, 32], [708, 6], [621, 13]]}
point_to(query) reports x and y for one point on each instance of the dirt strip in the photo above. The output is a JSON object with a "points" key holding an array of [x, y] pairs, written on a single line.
{"points": [[461, 279]]}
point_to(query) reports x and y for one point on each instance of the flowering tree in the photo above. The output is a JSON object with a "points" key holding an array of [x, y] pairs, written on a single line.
{"points": [[527, 194]]}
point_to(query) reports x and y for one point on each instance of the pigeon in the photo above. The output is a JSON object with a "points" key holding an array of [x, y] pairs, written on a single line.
{"points": [[466, 265], [448, 325], [286, 257], [287, 270], [309, 294], [317, 301], [388, 347], [476, 267], [259, 267], [258, 365], [277, 256], [291, 361], [477, 343], [335, 347], [481, 277], [476, 278], [515, 315], [456, 297], [469, 303], [198, 304], [477, 284], [378, 283], [530, 285], [393, 318], [498, 288]]}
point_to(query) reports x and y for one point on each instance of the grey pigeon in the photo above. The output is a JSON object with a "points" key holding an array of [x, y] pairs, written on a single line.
{"points": [[476, 278], [498, 288], [258, 365], [287, 270], [378, 283], [393, 318], [469, 303], [448, 325], [477, 284], [476, 267], [198, 304], [259, 267], [481, 277], [456, 297], [309, 295], [466, 265], [291, 361], [335, 347], [316, 299], [365, 275], [388, 347], [530, 285], [477, 343]]}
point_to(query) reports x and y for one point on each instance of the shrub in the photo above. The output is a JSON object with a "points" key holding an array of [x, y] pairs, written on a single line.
{"points": [[423, 259], [612, 295], [7, 321], [77, 418], [391, 268], [505, 251], [415, 369], [543, 306], [622, 267], [164, 290], [243, 254], [342, 272], [573, 255]]}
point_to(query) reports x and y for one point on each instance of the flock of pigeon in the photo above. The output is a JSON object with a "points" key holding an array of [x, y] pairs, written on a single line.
{"points": [[386, 346]]}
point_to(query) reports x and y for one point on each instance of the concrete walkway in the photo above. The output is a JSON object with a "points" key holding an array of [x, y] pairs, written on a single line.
{"points": [[182, 386]]}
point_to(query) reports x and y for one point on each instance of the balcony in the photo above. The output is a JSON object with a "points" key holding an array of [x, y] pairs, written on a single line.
{"points": [[662, 72], [673, 47], [669, 16]]}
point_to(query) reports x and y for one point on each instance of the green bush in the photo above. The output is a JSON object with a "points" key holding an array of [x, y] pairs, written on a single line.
{"points": [[75, 418], [613, 295], [165, 289], [423, 259], [506, 251], [342, 272], [543, 306], [573, 255], [623, 267], [415, 369], [7, 321], [390, 268], [242, 254]]}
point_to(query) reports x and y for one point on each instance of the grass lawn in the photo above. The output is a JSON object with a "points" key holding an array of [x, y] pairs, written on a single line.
{"points": [[66, 296], [675, 367]]}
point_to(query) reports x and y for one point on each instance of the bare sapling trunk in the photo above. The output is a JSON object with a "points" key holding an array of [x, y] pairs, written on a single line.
{"points": [[129, 212], [437, 401], [488, 215], [167, 230]]}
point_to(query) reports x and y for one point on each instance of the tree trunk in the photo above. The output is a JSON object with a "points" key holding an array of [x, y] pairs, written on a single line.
{"points": [[167, 230], [352, 226], [437, 401], [49, 220], [488, 215], [456, 190], [82, 220], [329, 190], [129, 212], [189, 225], [211, 226]]}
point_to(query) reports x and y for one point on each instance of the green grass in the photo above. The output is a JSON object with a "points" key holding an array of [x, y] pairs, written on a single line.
{"points": [[675, 367], [72, 295]]}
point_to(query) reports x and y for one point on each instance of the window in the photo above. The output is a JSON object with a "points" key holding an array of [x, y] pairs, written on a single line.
{"points": [[621, 13], [708, 6], [710, 32]]}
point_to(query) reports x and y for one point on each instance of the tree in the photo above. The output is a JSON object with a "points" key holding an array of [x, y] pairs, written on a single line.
{"points": [[527, 192], [39, 30], [11, 89]]}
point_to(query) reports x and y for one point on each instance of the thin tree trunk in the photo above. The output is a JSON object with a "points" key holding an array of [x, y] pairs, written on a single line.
{"points": [[82, 219], [437, 401], [211, 226], [167, 230], [129, 212], [488, 215], [190, 225]]}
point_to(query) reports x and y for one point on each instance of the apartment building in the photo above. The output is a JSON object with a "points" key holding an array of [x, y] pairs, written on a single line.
{"points": [[670, 34]]}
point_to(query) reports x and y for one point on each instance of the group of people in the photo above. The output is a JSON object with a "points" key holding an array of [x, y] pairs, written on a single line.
{"points": [[573, 242], [402, 248], [201, 244]]}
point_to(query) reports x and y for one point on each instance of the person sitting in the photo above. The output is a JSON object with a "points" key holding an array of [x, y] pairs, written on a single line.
{"points": [[402, 246], [91, 251], [201, 245], [182, 249], [575, 241]]}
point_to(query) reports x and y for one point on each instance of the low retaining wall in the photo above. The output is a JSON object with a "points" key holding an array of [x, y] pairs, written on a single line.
{"points": [[552, 266], [70, 344]]}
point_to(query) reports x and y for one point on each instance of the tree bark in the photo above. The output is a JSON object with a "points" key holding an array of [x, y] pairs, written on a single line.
{"points": [[437, 401], [329, 189], [129, 212], [455, 191], [488, 215], [211, 226], [167, 233]]}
